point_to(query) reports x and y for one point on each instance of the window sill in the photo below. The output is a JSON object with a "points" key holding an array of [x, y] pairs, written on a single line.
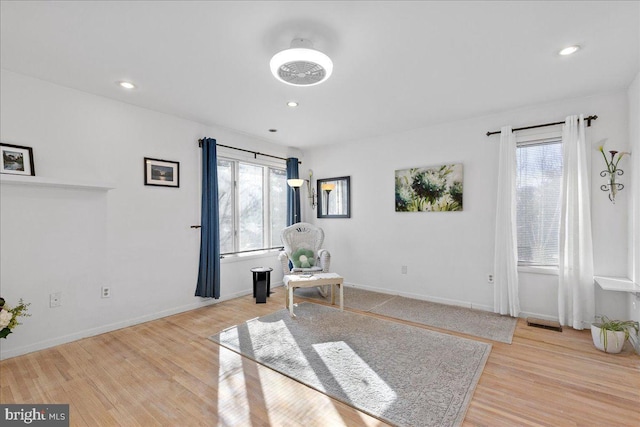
{"points": [[551, 270], [267, 253]]}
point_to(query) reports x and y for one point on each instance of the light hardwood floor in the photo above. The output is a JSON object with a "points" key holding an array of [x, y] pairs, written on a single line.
{"points": [[167, 372]]}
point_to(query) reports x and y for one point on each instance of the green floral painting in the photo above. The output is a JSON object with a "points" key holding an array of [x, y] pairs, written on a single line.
{"points": [[430, 189]]}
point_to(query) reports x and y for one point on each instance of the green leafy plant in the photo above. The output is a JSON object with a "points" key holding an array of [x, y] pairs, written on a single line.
{"points": [[606, 324], [9, 316]]}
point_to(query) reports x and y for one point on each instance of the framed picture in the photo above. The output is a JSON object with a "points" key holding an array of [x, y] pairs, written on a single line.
{"points": [[334, 200], [429, 189], [164, 173], [17, 160]]}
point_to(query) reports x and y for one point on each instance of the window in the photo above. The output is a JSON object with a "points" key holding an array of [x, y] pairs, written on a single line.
{"points": [[252, 204], [538, 186]]}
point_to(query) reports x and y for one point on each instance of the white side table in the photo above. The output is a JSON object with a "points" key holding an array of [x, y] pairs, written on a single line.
{"points": [[292, 281]]}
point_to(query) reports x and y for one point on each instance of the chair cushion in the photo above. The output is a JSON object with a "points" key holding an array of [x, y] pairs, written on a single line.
{"points": [[303, 258]]}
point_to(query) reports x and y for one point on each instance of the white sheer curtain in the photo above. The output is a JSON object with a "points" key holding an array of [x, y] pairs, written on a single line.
{"points": [[576, 306], [505, 294]]}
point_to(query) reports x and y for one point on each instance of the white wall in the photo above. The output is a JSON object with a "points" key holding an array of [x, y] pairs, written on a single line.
{"points": [[634, 191], [634, 211], [135, 239], [450, 254]]}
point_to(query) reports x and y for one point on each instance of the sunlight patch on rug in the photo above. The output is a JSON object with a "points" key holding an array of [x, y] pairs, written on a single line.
{"points": [[365, 385]]}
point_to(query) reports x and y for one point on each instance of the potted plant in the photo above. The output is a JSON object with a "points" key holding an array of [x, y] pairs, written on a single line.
{"points": [[610, 335], [9, 316]]}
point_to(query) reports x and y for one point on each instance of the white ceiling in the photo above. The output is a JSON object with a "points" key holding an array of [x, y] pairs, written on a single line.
{"points": [[397, 65]]}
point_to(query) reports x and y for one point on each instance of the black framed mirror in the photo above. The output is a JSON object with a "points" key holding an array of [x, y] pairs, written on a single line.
{"points": [[334, 199]]}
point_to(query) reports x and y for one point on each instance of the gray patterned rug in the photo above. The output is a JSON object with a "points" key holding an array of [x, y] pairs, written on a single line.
{"points": [[401, 374], [355, 298], [478, 323]]}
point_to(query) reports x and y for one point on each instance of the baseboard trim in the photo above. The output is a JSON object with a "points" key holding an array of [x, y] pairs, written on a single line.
{"points": [[525, 314], [42, 345]]}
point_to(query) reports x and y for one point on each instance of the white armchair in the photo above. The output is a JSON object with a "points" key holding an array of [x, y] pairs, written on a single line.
{"points": [[302, 242]]}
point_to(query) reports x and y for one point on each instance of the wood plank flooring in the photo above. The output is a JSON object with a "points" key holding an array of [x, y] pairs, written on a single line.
{"points": [[168, 373]]}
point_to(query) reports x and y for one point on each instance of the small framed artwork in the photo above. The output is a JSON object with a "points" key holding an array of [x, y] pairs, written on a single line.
{"points": [[17, 160], [164, 173]]}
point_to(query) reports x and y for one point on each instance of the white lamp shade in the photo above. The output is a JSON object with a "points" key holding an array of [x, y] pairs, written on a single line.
{"points": [[295, 183]]}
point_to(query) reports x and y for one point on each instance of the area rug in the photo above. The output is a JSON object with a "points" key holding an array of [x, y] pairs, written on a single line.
{"points": [[355, 298], [403, 375], [478, 323]]}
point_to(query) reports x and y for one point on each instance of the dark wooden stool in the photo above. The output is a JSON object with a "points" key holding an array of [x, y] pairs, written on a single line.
{"points": [[261, 283]]}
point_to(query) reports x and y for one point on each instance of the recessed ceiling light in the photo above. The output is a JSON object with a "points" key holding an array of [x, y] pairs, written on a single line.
{"points": [[127, 85], [273, 130], [569, 50], [292, 104]]}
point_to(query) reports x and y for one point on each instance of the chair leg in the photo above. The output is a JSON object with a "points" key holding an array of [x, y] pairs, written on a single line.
{"points": [[291, 301], [323, 290]]}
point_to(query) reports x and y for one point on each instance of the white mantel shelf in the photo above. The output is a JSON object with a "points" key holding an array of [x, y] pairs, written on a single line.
{"points": [[619, 284], [38, 181]]}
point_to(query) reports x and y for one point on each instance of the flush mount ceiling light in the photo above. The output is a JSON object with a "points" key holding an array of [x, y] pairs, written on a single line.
{"points": [[569, 50], [127, 85], [301, 64]]}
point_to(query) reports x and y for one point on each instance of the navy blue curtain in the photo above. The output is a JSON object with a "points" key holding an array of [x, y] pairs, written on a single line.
{"points": [[209, 271], [293, 197]]}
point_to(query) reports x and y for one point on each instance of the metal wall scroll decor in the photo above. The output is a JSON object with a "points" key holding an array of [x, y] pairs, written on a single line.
{"points": [[612, 172]]}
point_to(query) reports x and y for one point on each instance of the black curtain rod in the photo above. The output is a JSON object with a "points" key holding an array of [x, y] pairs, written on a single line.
{"points": [[255, 153], [588, 120]]}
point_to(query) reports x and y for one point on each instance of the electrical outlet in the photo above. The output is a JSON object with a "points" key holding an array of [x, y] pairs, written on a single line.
{"points": [[106, 292], [55, 299], [403, 270], [490, 278]]}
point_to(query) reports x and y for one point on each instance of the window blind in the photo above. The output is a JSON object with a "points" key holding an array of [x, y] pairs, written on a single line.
{"points": [[538, 186]]}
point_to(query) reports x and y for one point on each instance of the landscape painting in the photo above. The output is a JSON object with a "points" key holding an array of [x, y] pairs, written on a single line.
{"points": [[161, 173], [16, 160], [164, 173], [429, 189]]}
